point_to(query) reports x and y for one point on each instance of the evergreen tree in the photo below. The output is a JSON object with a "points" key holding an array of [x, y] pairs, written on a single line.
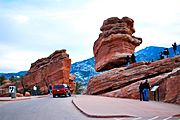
{"points": [[2, 78], [78, 88], [12, 78]]}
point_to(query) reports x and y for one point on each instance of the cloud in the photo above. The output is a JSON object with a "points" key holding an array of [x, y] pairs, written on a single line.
{"points": [[38, 28], [21, 18]]}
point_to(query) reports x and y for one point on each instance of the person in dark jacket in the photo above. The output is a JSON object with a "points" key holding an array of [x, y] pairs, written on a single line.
{"points": [[166, 52], [133, 58], [161, 55], [141, 88], [50, 89], [128, 60], [174, 47], [146, 89]]}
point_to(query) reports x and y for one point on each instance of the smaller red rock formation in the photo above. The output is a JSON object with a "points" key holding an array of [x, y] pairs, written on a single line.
{"points": [[72, 84], [115, 43], [54, 69], [27, 94]]}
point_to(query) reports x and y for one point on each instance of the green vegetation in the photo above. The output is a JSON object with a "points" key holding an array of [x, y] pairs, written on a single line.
{"points": [[2, 78], [15, 78], [78, 89]]}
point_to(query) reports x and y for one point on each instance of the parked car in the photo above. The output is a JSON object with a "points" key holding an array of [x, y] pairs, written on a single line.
{"points": [[61, 89]]}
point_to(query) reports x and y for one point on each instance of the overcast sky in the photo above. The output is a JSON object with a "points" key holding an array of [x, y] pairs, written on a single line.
{"points": [[32, 29]]}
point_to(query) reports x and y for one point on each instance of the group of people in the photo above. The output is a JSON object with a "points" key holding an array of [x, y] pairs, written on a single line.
{"points": [[165, 53], [144, 89], [131, 59]]}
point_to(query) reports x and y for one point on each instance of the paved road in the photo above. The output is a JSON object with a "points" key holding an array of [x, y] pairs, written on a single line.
{"points": [[49, 108], [42, 109]]}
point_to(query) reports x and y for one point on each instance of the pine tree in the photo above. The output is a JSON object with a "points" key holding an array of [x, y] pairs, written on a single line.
{"points": [[2, 78]]}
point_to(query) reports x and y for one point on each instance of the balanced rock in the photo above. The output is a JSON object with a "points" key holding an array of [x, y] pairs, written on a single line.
{"points": [[124, 82], [115, 43]]}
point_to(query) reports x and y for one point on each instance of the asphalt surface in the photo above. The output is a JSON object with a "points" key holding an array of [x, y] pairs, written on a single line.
{"points": [[48, 108]]}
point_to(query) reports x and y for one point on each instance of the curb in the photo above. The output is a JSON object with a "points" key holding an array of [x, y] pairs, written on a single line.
{"points": [[178, 115], [15, 99], [101, 116], [42, 96]]}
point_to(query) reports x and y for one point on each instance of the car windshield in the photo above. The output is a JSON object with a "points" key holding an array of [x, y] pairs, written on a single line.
{"points": [[58, 86]]}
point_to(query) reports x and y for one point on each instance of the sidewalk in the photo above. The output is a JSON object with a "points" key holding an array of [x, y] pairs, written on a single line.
{"points": [[106, 107], [6, 99]]}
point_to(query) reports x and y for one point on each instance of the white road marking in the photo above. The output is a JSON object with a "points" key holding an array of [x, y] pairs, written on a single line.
{"points": [[137, 118], [117, 118], [167, 118], [128, 118], [154, 118]]}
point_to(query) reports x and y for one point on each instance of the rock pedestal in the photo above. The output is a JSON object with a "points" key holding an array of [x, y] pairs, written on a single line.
{"points": [[115, 43]]}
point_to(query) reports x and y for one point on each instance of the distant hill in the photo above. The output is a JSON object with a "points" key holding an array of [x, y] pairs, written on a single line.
{"points": [[153, 52], [8, 75], [84, 70]]}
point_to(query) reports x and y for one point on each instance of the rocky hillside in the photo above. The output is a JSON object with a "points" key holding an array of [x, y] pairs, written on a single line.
{"points": [[83, 70], [124, 81]]}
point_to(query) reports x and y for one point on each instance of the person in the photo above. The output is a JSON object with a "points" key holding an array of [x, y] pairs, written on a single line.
{"points": [[141, 87], [161, 55], [35, 90], [128, 60], [166, 52], [50, 89], [174, 47], [146, 89], [133, 58]]}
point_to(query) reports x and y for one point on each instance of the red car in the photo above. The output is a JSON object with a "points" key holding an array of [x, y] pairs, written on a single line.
{"points": [[61, 89]]}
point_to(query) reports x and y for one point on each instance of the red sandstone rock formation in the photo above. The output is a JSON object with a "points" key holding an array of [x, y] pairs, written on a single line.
{"points": [[124, 82], [51, 70], [115, 43], [54, 69]]}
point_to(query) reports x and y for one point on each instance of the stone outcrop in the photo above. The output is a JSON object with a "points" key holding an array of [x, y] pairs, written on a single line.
{"points": [[125, 81], [51, 70], [115, 43], [54, 69]]}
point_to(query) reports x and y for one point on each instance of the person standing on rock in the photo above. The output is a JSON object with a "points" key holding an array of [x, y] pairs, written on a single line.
{"points": [[128, 60], [133, 58], [174, 47], [141, 88], [146, 89], [166, 52], [161, 55]]}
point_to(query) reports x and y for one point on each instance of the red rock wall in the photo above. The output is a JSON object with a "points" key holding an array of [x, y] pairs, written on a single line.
{"points": [[125, 81], [115, 43], [51, 70]]}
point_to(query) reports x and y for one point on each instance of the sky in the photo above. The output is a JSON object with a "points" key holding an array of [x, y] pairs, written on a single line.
{"points": [[33, 29]]}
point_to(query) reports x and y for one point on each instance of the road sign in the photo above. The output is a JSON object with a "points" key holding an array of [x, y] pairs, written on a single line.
{"points": [[154, 88], [12, 89]]}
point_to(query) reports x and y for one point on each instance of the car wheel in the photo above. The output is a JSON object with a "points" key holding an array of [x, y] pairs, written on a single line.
{"points": [[54, 96], [69, 94]]}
